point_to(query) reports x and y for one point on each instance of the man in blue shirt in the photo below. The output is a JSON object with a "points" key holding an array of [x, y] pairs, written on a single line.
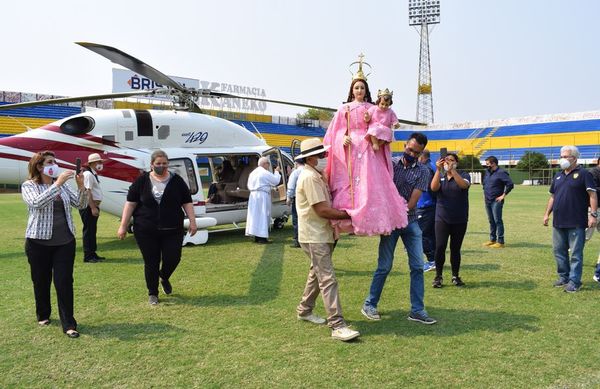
{"points": [[571, 193], [496, 185], [426, 214], [291, 199], [411, 179]]}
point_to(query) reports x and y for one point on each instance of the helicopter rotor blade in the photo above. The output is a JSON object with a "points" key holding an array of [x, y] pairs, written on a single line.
{"points": [[121, 58], [214, 94], [64, 100]]}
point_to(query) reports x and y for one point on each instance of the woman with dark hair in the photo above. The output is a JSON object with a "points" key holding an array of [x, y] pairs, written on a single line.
{"points": [[50, 236], [359, 178], [451, 215], [155, 200]]}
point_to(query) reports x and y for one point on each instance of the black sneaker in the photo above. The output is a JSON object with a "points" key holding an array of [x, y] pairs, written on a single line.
{"points": [[437, 282], [421, 317], [457, 281], [166, 286], [90, 260]]}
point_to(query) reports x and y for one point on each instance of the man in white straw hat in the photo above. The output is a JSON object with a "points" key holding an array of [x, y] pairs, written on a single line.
{"points": [[90, 215], [315, 234]]}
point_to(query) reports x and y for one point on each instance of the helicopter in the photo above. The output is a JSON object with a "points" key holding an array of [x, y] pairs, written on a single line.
{"points": [[197, 145]]}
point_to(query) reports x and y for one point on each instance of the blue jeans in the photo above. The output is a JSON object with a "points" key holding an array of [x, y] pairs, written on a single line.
{"points": [[564, 239], [494, 212], [426, 220], [411, 237]]}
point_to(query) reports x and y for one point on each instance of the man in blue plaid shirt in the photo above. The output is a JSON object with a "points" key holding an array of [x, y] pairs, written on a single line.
{"points": [[411, 179]]}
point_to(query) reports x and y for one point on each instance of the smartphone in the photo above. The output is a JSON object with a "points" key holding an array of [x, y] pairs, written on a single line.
{"points": [[77, 166], [443, 152]]}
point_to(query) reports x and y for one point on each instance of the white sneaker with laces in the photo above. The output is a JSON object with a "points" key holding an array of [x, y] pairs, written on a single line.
{"points": [[344, 334], [313, 319]]}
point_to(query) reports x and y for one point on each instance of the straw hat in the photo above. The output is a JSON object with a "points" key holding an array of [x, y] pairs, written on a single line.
{"points": [[311, 146]]}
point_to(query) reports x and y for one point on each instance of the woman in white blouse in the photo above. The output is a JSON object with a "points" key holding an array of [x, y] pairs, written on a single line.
{"points": [[50, 236]]}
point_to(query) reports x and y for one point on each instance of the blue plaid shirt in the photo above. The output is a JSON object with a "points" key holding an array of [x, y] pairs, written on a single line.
{"points": [[40, 200], [409, 178]]}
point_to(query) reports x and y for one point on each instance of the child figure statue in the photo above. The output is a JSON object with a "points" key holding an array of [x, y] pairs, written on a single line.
{"points": [[359, 178]]}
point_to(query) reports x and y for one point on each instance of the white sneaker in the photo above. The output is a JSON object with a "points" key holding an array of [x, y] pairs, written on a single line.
{"points": [[313, 319], [596, 278], [344, 334]]}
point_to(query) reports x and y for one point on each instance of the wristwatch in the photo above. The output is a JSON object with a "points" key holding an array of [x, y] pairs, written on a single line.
{"points": [[594, 214]]}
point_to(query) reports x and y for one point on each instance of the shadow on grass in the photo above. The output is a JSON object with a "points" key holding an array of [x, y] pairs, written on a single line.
{"points": [[128, 331], [520, 285], [451, 322], [530, 245], [480, 266], [264, 284]]}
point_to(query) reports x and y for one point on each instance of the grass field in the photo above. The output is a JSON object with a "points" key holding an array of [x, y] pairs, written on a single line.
{"points": [[231, 320]]}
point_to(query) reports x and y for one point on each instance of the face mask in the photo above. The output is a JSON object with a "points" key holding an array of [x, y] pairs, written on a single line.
{"points": [[409, 158], [99, 167], [159, 169], [321, 164], [564, 163], [51, 171]]}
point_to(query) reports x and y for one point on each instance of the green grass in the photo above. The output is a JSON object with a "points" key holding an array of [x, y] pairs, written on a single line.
{"points": [[231, 321]]}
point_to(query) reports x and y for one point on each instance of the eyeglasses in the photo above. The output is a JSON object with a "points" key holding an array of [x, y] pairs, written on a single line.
{"points": [[567, 156], [413, 152]]}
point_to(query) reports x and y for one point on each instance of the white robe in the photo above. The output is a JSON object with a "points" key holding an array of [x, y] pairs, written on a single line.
{"points": [[258, 219]]}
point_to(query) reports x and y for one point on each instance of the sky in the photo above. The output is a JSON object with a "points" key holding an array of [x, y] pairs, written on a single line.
{"points": [[489, 59]]}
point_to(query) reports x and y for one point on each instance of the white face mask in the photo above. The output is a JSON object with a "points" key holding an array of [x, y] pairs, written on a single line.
{"points": [[564, 163], [51, 170], [321, 164], [99, 167]]}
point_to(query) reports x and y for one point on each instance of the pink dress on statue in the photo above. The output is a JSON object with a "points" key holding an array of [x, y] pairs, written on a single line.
{"points": [[372, 201], [380, 127]]}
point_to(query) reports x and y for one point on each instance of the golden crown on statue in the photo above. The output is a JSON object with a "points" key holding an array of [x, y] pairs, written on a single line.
{"points": [[360, 75], [385, 92]]}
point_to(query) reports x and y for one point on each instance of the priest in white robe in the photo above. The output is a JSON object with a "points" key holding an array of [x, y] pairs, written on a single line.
{"points": [[260, 182]]}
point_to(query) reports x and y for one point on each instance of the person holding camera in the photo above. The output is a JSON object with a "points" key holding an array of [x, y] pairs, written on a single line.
{"points": [[50, 236]]}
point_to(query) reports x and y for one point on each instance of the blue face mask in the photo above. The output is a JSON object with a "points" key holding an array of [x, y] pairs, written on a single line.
{"points": [[409, 158]]}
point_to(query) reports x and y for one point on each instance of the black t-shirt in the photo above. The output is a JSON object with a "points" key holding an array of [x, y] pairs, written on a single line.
{"points": [[452, 201]]}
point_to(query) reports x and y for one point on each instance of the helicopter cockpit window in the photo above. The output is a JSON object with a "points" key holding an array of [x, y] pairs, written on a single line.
{"points": [[185, 169], [78, 125]]}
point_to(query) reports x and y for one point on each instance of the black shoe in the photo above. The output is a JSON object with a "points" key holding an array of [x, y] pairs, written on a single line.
{"points": [[457, 281], [90, 260], [437, 282], [99, 258], [262, 240], [295, 244], [166, 286]]}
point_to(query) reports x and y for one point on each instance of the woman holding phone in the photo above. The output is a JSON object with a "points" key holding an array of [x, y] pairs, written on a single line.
{"points": [[451, 215], [50, 236]]}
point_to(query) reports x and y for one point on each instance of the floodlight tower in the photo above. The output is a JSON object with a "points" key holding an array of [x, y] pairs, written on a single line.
{"points": [[423, 13]]}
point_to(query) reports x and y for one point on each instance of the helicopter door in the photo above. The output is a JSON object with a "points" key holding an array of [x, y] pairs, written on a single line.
{"points": [[274, 155]]}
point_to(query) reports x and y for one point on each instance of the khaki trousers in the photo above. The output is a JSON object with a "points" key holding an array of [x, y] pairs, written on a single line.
{"points": [[321, 278]]}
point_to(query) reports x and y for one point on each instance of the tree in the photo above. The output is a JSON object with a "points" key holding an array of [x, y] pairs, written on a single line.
{"points": [[469, 163], [316, 114], [533, 162]]}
